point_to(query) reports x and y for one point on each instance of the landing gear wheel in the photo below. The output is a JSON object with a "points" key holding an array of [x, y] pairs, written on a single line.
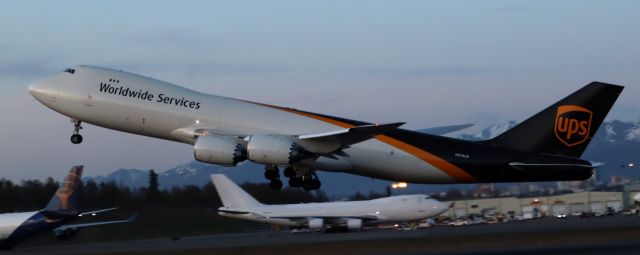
{"points": [[289, 172], [76, 138], [295, 181], [316, 184], [271, 173], [276, 184], [307, 185]]}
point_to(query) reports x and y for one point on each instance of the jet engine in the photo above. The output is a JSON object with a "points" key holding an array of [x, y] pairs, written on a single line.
{"points": [[218, 150], [354, 224], [316, 223], [274, 150]]}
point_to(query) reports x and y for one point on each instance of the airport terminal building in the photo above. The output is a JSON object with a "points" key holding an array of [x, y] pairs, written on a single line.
{"points": [[526, 207]]}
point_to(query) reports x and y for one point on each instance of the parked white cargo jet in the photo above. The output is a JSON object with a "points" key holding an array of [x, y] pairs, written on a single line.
{"points": [[226, 131], [351, 215], [16, 227]]}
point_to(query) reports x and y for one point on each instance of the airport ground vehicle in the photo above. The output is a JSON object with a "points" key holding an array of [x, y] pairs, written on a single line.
{"points": [[459, 222]]}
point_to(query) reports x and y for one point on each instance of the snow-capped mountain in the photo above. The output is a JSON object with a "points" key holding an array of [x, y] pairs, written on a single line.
{"points": [[618, 131], [484, 133], [197, 173], [615, 144], [124, 177], [192, 173]]}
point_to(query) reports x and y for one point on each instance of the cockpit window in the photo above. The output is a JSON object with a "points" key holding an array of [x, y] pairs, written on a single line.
{"points": [[70, 70], [427, 197]]}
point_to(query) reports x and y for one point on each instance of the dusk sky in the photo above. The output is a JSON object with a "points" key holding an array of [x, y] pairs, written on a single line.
{"points": [[428, 63]]}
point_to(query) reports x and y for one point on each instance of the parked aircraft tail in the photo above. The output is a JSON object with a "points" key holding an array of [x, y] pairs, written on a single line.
{"points": [[65, 199], [566, 127], [231, 194]]}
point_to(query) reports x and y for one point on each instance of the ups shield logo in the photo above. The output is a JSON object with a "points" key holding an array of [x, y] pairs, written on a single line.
{"points": [[573, 124]]}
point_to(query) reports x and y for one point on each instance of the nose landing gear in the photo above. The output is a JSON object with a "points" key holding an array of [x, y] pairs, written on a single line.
{"points": [[76, 138]]}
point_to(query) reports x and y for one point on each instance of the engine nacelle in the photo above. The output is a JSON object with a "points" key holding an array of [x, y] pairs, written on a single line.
{"points": [[316, 223], [354, 224], [273, 150], [218, 150]]}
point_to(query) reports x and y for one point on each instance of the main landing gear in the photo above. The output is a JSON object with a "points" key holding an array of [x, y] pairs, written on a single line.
{"points": [[76, 138], [311, 182], [271, 173], [308, 180]]}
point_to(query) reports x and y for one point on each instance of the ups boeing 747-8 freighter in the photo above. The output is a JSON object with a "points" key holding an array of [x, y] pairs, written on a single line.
{"points": [[226, 131]]}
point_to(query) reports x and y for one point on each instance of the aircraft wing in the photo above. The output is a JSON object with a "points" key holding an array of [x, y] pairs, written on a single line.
{"points": [[319, 143], [63, 228], [443, 130], [332, 141]]}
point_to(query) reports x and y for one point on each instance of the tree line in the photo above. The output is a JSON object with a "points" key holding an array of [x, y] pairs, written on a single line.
{"points": [[34, 195]]}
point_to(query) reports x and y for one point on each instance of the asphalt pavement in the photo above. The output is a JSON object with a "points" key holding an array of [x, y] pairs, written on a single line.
{"points": [[608, 235]]}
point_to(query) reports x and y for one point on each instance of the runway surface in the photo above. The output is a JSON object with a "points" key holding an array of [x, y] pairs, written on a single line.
{"points": [[612, 235]]}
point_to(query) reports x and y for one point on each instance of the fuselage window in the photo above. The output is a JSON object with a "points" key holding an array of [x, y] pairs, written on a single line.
{"points": [[70, 70]]}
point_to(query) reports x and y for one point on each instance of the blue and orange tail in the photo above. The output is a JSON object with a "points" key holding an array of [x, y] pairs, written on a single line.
{"points": [[65, 199]]}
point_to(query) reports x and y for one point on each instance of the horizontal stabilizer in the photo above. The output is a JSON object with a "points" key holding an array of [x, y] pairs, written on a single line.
{"points": [[93, 213], [63, 228], [520, 165]]}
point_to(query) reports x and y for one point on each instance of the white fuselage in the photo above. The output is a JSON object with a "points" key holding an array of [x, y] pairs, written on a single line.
{"points": [[173, 112], [403, 208], [9, 222]]}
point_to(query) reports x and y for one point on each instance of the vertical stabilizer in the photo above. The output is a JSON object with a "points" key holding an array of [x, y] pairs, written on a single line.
{"points": [[231, 194], [566, 127], [66, 196]]}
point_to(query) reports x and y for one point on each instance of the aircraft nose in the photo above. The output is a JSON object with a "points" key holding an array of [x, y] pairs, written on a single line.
{"points": [[36, 90], [440, 207], [41, 91], [33, 88]]}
